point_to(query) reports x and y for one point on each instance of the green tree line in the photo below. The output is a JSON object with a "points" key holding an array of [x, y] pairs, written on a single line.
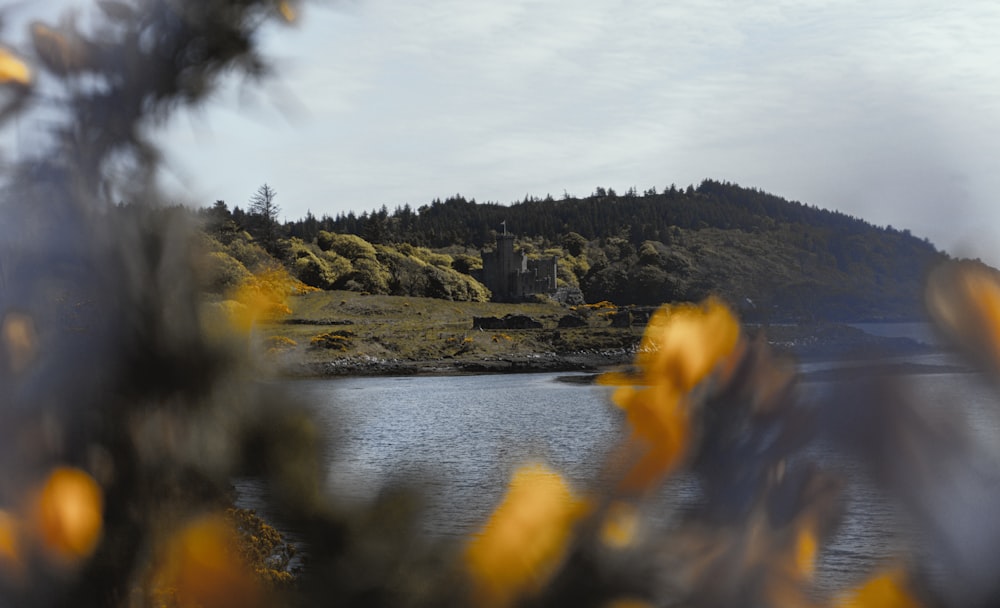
{"points": [[769, 257]]}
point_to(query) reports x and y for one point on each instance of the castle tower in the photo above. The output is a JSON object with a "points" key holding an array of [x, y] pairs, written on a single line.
{"points": [[508, 268]]}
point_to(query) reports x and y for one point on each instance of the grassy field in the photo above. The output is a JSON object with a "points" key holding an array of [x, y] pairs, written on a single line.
{"points": [[342, 325]]}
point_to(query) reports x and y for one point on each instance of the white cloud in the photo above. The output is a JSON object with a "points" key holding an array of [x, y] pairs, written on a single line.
{"points": [[889, 111]]}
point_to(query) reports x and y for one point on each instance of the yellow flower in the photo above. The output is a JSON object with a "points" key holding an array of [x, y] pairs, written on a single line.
{"points": [[681, 347], [17, 333], [964, 300], [287, 11], [262, 297], [525, 539], [620, 526], [201, 567], [13, 70], [69, 514], [11, 564], [806, 549], [884, 591]]}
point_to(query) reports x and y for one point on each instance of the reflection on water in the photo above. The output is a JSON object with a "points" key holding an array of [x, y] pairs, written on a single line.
{"points": [[459, 438]]}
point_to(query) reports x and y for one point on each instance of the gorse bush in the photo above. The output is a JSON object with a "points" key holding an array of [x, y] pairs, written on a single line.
{"points": [[349, 262], [223, 272], [320, 269], [347, 245], [334, 340]]}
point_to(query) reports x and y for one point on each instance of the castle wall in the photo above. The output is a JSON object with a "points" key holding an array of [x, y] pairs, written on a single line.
{"points": [[511, 276]]}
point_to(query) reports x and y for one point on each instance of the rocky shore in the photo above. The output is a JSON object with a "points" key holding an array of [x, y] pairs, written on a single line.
{"points": [[801, 342], [510, 364]]}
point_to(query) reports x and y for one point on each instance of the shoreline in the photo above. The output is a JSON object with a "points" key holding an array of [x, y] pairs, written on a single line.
{"points": [[847, 362], [339, 334]]}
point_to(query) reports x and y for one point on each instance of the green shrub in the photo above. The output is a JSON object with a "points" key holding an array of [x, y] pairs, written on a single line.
{"points": [[316, 268], [249, 253], [223, 272], [367, 275], [412, 276], [349, 246], [465, 263], [441, 260]]}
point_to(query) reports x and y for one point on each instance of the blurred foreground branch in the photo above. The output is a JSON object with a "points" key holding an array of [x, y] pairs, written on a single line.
{"points": [[126, 410]]}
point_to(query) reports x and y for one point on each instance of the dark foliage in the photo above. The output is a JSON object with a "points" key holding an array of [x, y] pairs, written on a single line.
{"points": [[773, 259]]}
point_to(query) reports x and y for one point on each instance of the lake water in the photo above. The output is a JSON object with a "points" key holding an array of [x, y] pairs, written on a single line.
{"points": [[459, 438], [918, 331]]}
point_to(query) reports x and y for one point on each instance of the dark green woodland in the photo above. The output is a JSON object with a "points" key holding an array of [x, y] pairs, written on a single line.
{"points": [[770, 258]]}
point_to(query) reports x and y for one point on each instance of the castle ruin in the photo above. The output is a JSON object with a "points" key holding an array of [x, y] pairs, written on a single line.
{"points": [[511, 276]]}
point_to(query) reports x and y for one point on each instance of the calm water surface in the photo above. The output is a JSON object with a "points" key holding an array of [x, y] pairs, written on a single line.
{"points": [[460, 437]]}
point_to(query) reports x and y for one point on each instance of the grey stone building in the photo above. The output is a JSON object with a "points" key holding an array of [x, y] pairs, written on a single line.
{"points": [[511, 276]]}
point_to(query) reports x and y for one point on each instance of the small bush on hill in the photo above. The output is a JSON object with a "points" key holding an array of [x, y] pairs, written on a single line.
{"points": [[277, 344], [465, 263], [412, 276], [349, 246], [369, 276], [333, 340], [223, 272], [248, 252], [314, 267]]}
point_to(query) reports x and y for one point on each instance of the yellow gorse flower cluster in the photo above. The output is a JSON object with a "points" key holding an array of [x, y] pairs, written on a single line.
{"points": [[262, 297], [682, 345], [886, 590], [61, 522], [13, 70], [199, 566], [966, 305], [523, 542]]}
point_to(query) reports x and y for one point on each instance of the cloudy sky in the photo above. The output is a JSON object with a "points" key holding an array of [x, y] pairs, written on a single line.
{"points": [[887, 110]]}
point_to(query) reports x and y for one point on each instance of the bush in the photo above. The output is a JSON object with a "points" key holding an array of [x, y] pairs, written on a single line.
{"points": [[249, 253], [369, 276], [339, 340], [412, 276], [574, 243], [465, 263], [223, 272], [347, 245], [278, 344], [441, 260], [262, 547]]}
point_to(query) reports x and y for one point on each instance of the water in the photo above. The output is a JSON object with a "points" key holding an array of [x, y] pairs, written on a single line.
{"points": [[459, 438], [917, 331]]}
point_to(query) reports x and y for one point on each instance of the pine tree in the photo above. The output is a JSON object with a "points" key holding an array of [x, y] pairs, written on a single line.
{"points": [[264, 214]]}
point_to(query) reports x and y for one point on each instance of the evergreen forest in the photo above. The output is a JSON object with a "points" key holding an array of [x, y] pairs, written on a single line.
{"points": [[772, 259]]}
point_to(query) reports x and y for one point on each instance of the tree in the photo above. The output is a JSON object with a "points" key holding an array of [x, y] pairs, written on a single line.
{"points": [[574, 243], [219, 222], [264, 213]]}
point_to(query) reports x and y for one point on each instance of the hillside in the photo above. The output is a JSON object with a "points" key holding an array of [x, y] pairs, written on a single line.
{"points": [[772, 259]]}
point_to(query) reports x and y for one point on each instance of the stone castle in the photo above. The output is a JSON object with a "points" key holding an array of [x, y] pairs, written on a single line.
{"points": [[511, 276]]}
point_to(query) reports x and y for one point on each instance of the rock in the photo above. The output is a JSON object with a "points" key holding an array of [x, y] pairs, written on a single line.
{"points": [[508, 322], [572, 321], [621, 318]]}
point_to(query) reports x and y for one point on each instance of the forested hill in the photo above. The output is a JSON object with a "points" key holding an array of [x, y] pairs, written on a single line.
{"points": [[772, 259], [634, 216], [775, 258]]}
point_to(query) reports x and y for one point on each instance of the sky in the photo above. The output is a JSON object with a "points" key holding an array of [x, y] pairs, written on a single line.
{"points": [[886, 110]]}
